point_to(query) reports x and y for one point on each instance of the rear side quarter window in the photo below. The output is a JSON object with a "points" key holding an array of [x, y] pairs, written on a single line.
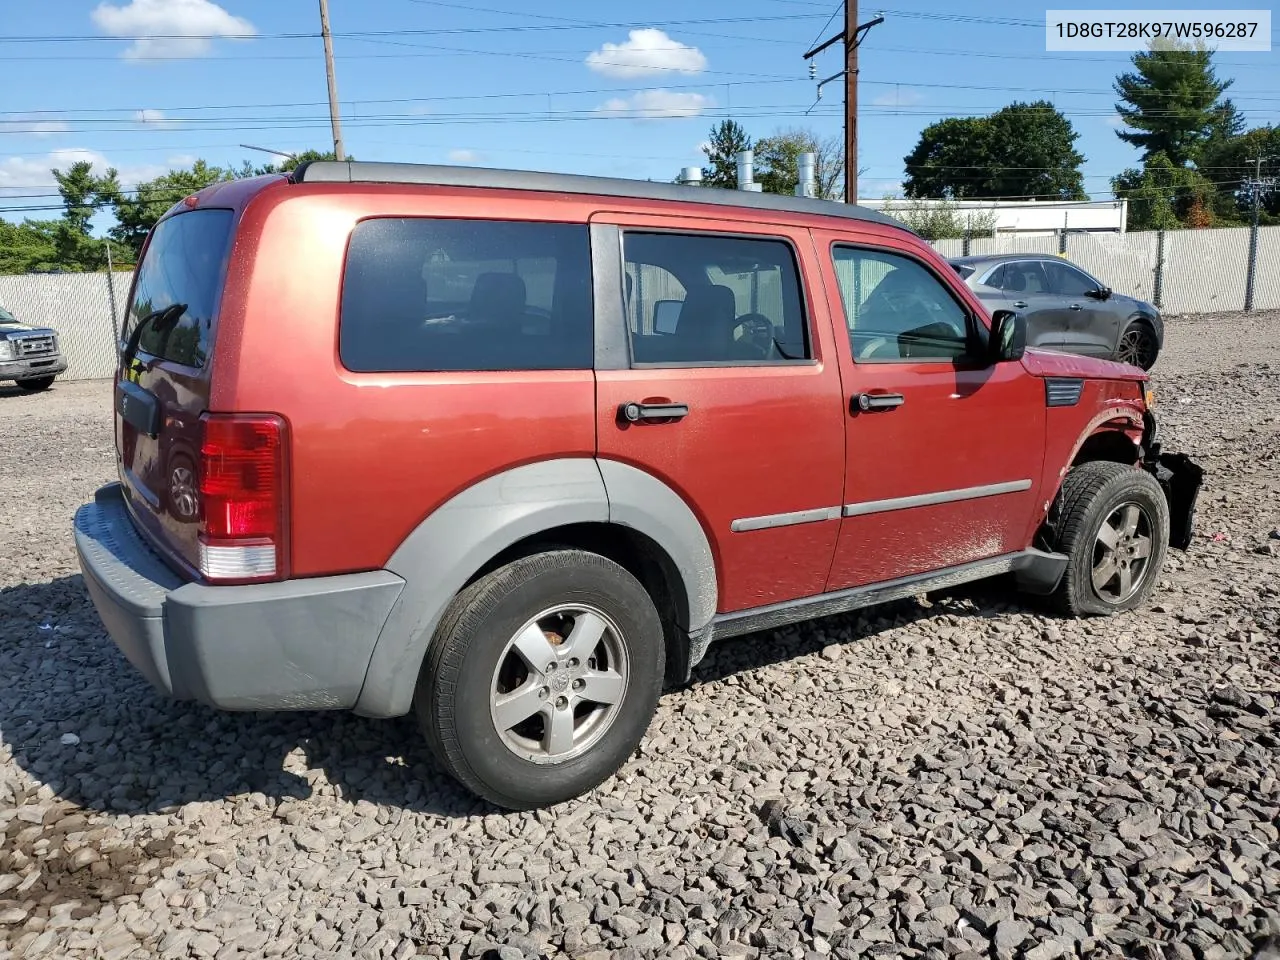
{"points": [[423, 295]]}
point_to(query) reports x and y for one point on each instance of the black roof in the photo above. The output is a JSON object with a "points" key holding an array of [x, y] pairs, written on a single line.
{"points": [[357, 171]]}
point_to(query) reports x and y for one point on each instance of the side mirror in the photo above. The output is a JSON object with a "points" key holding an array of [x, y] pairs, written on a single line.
{"points": [[1102, 293], [1008, 337]]}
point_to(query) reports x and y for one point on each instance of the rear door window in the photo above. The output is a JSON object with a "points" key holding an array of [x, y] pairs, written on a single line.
{"points": [[1025, 277], [185, 263], [707, 300], [438, 295]]}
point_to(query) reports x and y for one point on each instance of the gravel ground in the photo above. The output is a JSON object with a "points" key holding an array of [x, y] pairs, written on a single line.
{"points": [[959, 777]]}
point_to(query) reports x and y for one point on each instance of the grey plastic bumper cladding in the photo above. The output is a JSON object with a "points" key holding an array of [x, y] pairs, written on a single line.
{"points": [[294, 645]]}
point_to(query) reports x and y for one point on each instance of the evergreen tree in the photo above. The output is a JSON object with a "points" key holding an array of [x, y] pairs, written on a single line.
{"points": [[1172, 103], [728, 139]]}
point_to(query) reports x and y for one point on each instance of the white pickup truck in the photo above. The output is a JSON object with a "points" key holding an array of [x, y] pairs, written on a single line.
{"points": [[31, 356]]}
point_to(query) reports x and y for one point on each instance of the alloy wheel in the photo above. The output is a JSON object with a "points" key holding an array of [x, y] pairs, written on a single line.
{"points": [[559, 683]]}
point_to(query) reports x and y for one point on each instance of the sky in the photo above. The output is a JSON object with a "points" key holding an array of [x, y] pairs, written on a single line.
{"points": [[607, 88]]}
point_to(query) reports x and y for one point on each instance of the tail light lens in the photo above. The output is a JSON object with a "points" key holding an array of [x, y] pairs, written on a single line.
{"points": [[242, 488]]}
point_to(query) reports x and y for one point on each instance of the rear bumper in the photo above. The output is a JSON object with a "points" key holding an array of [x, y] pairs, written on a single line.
{"points": [[293, 645], [35, 367]]}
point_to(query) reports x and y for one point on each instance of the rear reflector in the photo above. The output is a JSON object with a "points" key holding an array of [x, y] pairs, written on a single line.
{"points": [[223, 562], [242, 487]]}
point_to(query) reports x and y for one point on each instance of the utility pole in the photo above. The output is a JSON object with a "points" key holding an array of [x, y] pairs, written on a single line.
{"points": [[333, 83], [853, 34], [850, 101], [1257, 187]]}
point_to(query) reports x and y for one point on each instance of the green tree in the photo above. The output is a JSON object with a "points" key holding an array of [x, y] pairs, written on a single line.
{"points": [[1165, 196], [778, 162], [941, 219], [1022, 150], [1228, 162], [83, 194], [136, 214], [727, 140], [29, 246], [1172, 103], [288, 164]]}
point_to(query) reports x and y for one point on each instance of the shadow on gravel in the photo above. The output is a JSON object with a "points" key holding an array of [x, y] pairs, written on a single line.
{"points": [[131, 750], [80, 720], [11, 390], [981, 599]]}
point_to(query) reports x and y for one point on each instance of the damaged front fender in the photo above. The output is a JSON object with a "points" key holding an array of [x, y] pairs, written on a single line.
{"points": [[1179, 477]]}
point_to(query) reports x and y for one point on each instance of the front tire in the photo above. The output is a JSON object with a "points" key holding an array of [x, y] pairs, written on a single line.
{"points": [[35, 384], [542, 678], [1113, 525], [1137, 346]]}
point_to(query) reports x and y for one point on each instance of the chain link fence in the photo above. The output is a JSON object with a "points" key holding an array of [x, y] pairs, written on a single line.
{"points": [[84, 308], [1180, 271]]}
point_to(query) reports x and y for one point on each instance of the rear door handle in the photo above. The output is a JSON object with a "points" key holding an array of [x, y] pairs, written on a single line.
{"points": [[1076, 306], [633, 412], [1020, 304], [877, 401]]}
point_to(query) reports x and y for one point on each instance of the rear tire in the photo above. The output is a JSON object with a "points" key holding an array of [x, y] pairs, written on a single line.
{"points": [[542, 678], [1113, 525], [35, 384]]}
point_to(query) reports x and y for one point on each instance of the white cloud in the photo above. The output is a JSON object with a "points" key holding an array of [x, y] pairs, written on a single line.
{"points": [[168, 28], [19, 174], [646, 52], [899, 98], [875, 189], [463, 156], [657, 105], [155, 118], [26, 124], [180, 161]]}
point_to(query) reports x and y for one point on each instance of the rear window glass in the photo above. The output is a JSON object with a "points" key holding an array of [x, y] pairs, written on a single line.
{"points": [[964, 270], [424, 295], [185, 263]]}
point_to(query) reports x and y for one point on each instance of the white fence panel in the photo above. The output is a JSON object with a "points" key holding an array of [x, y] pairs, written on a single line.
{"points": [[1125, 262], [1204, 270], [949, 248], [1012, 243], [1266, 279]]}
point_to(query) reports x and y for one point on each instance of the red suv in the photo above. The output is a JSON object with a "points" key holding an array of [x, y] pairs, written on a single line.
{"points": [[511, 449]]}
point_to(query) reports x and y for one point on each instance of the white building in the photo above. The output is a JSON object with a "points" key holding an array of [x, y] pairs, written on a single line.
{"points": [[1030, 218]]}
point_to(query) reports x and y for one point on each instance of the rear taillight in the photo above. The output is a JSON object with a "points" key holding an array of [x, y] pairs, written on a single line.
{"points": [[242, 490]]}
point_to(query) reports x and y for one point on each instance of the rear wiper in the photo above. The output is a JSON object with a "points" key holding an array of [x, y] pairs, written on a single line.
{"points": [[164, 317]]}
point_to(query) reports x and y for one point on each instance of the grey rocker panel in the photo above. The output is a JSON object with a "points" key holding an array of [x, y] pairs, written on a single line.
{"points": [[438, 558]]}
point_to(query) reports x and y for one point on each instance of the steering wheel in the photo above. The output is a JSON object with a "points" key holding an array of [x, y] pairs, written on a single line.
{"points": [[755, 342]]}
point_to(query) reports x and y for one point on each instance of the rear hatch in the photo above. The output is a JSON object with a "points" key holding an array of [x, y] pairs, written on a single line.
{"points": [[163, 385]]}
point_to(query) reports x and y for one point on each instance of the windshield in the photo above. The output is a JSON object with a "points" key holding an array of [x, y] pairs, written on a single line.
{"points": [[6, 316], [184, 264]]}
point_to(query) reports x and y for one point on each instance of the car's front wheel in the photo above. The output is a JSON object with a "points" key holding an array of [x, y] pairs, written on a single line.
{"points": [[1113, 525], [35, 384], [1138, 346], [542, 678]]}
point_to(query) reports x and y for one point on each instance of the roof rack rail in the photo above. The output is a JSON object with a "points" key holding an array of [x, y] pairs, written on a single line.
{"points": [[363, 171]]}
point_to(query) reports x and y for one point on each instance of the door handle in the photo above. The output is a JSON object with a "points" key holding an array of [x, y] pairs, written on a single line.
{"points": [[877, 401], [1020, 304], [633, 412], [1076, 306]]}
